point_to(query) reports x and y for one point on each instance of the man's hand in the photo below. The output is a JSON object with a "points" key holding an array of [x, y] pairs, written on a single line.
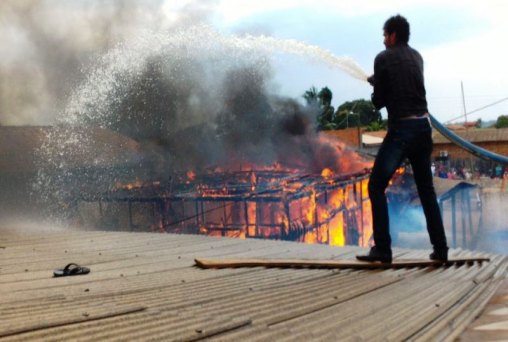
{"points": [[370, 79]]}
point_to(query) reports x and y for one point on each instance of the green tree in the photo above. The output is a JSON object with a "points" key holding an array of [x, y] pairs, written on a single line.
{"points": [[325, 118], [322, 100], [325, 96], [358, 113], [502, 121], [377, 126], [311, 96]]}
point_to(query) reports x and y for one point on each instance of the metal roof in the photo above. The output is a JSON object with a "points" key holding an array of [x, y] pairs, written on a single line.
{"points": [[144, 286], [444, 188], [474, 135], [369, 139]]}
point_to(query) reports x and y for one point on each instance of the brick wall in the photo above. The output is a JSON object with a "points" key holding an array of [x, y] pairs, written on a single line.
{"points": [[350, 136], [455, 152]]}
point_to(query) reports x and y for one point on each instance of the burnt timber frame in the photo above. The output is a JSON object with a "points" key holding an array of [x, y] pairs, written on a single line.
{"points": [[206, 203]]}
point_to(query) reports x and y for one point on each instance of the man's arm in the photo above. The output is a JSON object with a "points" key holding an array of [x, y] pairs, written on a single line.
{"points": [[378, 81]]}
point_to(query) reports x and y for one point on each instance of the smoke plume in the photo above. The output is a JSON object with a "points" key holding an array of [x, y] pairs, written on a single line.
{"points": [[190, 97], [50, 45]]}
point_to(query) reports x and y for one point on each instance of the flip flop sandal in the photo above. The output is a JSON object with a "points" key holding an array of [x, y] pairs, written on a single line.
{"points": [[70, 270]]}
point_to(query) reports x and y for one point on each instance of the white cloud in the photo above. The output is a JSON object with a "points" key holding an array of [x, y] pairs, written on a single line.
{"points": [[234, 10], [477, 57], [478, 60], [480, 63]]}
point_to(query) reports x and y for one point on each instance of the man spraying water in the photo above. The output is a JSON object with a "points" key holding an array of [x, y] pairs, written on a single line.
{"points": [[399, 86]]}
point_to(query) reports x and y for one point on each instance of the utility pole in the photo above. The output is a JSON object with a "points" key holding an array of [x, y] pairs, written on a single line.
{"points": [[359, 133], [463, 102]]}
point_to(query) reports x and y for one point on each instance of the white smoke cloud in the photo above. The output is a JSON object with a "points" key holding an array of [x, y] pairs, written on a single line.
{"points": [[52, 43]]}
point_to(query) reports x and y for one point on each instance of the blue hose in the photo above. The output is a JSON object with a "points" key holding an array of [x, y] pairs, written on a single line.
{"points": [[466, 145]]}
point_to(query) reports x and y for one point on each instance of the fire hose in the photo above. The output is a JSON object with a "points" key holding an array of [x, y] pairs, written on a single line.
{"points": [[466, 145]]}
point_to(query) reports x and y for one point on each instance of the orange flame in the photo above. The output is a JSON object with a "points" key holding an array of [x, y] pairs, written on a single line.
{"points": [[399, 172], [251, 216], [336, 229], [191, 176], [327, 173], [310, 209]]}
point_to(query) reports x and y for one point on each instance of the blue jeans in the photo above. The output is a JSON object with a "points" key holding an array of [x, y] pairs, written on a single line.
{"points": [[410, 139]]}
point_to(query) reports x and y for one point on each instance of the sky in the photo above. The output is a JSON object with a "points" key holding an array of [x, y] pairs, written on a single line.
{"points": [[50, 45], [463, 44]]}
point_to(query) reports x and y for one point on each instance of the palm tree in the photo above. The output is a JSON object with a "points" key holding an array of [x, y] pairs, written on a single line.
{"points": [[311, 96], [325, 119], [325, 96]]}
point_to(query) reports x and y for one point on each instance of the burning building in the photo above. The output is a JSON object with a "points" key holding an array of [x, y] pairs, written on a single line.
{"points": [[196, 100], [270, 204]]}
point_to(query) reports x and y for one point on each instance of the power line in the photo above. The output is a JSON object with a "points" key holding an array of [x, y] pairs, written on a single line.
{"points": [[477, 110]]}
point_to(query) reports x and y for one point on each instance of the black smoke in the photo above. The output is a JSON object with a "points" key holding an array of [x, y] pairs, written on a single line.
{"points": [[187, 97]]}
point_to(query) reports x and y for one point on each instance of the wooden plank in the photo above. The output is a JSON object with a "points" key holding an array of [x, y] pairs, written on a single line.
{"points": [[342, 264]]}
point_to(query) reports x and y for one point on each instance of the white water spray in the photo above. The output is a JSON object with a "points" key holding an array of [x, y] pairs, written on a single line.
{"points": [[190, 68], [270, 44], [126, 61]]}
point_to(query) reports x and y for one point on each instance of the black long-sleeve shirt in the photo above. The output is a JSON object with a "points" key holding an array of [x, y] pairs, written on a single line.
{"points": [[398, 82]]}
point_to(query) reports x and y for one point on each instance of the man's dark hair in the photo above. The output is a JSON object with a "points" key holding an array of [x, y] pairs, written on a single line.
{"points": [[400, 26]]}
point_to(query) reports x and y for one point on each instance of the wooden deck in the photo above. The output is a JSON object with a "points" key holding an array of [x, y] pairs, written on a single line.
{"points": [[145, 286], [397, 263]]}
